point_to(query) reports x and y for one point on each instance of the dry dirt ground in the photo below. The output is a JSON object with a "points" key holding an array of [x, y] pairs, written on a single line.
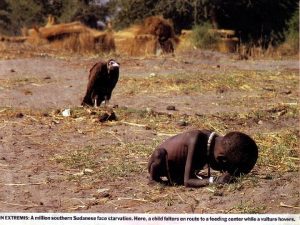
{"points": [[52, 163]]}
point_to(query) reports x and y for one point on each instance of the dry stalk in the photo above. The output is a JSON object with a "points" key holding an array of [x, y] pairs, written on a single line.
{"points": [[24, 184], [133, 124], [288, 206], [115, 136], [15, 204], [133, 199]]}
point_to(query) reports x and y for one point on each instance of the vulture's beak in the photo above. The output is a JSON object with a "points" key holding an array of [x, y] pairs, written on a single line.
{"points": [[114, 64]]}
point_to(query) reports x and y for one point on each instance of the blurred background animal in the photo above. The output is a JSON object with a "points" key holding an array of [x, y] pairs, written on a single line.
{"points": [[103, 78]]}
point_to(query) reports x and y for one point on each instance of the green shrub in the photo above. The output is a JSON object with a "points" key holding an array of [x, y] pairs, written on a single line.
{"points": [[203, 38], [293, 30]]}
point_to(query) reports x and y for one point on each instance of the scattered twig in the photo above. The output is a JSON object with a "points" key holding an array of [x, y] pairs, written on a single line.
{"points": [[16, 204], [115, 136], [77, 207], [115, 205], [294, 158], [290, 103], [79, 200], [133, 199], [31, 117], [134, 124], [165, 134], [288, 206], [210, 190], [35, 84], [3, 126], [179, 196], [24, 184], [3, 110]]}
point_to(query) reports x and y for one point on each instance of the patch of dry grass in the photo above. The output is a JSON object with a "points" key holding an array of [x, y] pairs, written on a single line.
{"points": [[126, 158], [248, 208], [200, 83], [278, 148], [20, 81], [279, 151]]}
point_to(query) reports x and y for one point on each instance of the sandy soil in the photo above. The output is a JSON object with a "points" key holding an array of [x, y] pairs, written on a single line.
{"points": [[32, 137]]}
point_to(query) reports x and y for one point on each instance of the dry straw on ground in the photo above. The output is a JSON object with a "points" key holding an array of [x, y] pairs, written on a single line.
{"points": [[74, 37]]}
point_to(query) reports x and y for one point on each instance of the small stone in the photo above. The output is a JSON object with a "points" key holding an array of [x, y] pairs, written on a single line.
{"points": [[268, 177], [57, 111], [218, 193], [149, 110], [182, 123], [147, 127], [101, 190], [260, 122], [95, 120], [199, 114], [81, 173], [88, 171], [103, 117], [287, 92], [103, 193], [171, 107], [45, 114], [12, 70], [112, 117], [92, 113], [66, 112], [20, 115]]}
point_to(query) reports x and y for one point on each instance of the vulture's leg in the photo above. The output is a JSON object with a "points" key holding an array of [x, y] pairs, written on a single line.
{"points": [[106, 101], [95, 101]]}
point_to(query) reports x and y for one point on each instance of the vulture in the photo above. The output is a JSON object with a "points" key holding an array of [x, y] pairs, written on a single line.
{"points": [[103, 78]]}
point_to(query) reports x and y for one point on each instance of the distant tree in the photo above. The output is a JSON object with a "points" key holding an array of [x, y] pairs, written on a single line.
{"points": [[131, 11], [184, 14], [51, 7], [180, 12], [260, 21], [292, 32], [24, 13], [5, 20], [90, 14]]}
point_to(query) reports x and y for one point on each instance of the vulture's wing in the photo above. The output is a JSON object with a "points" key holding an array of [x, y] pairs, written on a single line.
{"points": [[114, 79], [95, 73]]}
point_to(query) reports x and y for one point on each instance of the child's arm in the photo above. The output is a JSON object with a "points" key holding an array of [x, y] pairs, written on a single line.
{"points": [[188, 171], [189, 180], [196, 182], [225, 178]]}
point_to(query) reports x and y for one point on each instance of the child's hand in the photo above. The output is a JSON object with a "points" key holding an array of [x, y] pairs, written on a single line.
{"points": [[225, 178]]}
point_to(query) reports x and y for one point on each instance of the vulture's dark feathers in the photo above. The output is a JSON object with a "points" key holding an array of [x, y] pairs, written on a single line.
{"points": [[103, 78]]}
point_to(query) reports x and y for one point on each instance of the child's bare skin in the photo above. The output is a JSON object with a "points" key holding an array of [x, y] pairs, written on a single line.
{"points": [[180, 156]]}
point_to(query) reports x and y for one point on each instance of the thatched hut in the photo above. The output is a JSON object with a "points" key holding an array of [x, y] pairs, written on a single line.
{"points": [[154, 36], [72, 36], [69, 36]]}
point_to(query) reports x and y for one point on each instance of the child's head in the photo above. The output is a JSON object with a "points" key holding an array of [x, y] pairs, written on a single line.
{"points": [[240, 153]]}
